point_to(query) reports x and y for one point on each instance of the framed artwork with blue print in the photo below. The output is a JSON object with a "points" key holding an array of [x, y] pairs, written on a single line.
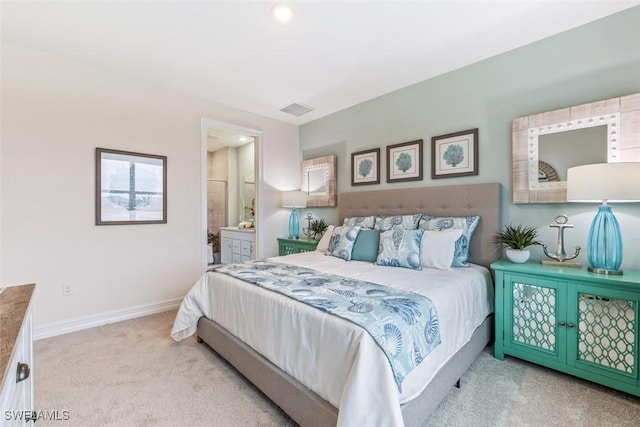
{"points": [[454, 154], [404, 161], [365, 167]]}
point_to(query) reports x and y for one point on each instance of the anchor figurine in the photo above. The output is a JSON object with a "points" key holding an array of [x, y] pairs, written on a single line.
{"points": [[560, 257], [307, 231]]}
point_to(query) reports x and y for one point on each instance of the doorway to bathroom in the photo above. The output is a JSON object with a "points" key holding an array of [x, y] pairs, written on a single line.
{"points": [[229, 172]]}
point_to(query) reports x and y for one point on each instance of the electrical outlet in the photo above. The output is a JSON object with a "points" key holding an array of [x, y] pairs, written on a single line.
{"points": [[66, 290]]}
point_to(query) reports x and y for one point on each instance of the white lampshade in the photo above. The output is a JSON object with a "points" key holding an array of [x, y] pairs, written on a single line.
{"points": [[294, 199], [613, 182]]}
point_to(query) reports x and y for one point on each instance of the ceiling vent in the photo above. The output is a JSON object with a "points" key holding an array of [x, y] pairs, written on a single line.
{"points": [[296, 109]]}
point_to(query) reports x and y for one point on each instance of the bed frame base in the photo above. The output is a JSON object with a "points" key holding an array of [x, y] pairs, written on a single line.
{"points": [[307, 408]]}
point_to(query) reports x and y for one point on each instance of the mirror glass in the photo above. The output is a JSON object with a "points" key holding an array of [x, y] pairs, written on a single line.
{"points": [[564, 150], [248, 197], [317, 180]]}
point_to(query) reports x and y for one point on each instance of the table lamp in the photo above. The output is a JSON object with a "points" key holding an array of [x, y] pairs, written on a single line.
{"points": [[294, 200], [604, 183]]}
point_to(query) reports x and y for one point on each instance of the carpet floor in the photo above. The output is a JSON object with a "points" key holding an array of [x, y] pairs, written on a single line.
{"points": [[132, 374]]}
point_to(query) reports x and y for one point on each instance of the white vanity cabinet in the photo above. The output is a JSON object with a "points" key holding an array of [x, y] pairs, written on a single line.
{"points": [[237, 244], [16, 398]]}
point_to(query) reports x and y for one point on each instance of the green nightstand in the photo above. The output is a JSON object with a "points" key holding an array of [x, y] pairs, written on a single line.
{"points": [[295, 246], [571, 320]]}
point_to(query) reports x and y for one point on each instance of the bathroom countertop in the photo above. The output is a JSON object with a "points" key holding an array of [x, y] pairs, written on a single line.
{"points": [[14, 304]]}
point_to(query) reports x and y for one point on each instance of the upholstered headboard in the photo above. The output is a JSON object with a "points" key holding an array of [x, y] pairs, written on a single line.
{"points": [[454, 200]]}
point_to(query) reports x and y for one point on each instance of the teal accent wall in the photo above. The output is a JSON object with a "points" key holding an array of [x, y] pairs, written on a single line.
{"points": [[596, 61]]}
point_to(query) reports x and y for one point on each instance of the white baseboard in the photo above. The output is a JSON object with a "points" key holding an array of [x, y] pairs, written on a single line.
{"points": [[66, 326]]}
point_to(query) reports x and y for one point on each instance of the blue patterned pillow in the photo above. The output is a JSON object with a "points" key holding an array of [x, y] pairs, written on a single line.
{"points": [[341, 243], [400, 248], [397, 222], [466, 223], [364, 222]]}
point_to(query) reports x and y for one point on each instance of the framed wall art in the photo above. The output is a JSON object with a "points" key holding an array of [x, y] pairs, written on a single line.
{"points": [[365, 167], [454, 154], [404, 161], [131, 188]]}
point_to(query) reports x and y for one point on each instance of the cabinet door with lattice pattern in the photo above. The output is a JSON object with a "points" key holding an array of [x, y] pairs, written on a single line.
{"points": [[605, 336], [536, 307]]}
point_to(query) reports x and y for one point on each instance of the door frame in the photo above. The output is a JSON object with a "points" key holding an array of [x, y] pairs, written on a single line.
{"points": [[205, 125]]}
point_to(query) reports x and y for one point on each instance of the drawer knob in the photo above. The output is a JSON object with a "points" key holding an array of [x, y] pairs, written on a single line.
{"points": [[561, 323], [570, 325], [23, 372]]}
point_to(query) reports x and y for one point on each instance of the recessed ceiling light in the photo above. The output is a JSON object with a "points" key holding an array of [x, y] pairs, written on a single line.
{"points": [[243, 139], [282, 12]]}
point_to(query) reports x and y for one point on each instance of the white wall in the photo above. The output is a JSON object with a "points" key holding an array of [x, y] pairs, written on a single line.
{"points": [[55, 112]]}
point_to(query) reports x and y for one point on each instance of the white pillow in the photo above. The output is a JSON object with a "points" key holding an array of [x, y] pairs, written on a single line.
{"points": [[323, 244], [437, 248]]}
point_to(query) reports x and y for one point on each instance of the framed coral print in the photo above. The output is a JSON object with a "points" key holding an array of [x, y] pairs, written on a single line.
{"points": [[365, 167], [131, 188], [404, 161], [454, 154]]}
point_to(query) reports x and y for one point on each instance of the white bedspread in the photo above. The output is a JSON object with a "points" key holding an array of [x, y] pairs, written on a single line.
{"points": [[336, 359]]}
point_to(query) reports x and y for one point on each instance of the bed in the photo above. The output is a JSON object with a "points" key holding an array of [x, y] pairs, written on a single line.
{"points": [[290, 385]]}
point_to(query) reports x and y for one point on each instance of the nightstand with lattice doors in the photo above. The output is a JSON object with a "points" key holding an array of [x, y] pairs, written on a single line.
{"points": [[294, 246], [571, 320]]}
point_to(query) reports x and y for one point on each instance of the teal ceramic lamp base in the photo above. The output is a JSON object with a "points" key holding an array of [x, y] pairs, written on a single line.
{"points": [[294, 224], [604, 248]]}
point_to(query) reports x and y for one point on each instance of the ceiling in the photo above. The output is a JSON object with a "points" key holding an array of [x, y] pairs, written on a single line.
{"points": [[220, 138], [331, 55]]}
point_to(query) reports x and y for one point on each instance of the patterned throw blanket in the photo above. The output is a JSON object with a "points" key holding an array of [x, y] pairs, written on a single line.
{"points": [[404, 324]]}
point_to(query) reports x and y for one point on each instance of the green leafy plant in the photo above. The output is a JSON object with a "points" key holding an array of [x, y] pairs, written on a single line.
{"points": [[213, 239], [516, 237], [318, 226], [251, 209]]}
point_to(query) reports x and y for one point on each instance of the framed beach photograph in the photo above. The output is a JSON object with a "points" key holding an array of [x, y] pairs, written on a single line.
{"points": [[454, 154], [365, 167], [131, 188], [404, 161]]}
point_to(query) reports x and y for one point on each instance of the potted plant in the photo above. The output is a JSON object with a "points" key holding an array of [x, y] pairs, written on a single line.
{"points": [[318, 227], [515, 239], [213, 240]]}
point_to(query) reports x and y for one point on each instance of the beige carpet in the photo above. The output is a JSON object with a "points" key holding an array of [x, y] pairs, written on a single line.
{"points": [[132, 374]]}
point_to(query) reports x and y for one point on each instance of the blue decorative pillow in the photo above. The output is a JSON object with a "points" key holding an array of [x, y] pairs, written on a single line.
{"points": [[466, 223], [341, 243], [366, 245], [400, 248], [397, 222], [364, 222]]}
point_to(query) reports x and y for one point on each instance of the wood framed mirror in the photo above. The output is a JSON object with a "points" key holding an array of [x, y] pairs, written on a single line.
{"points": [[597, 132], [319, 181]]}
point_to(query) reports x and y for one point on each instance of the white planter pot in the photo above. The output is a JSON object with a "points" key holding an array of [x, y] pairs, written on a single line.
{"points": [[210, 254], [518, 256]]}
